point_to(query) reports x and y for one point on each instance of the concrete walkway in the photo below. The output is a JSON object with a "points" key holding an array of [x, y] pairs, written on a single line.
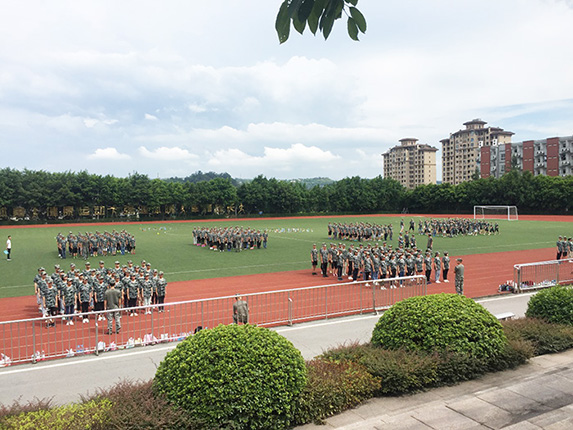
{"points": [[538, 395]]}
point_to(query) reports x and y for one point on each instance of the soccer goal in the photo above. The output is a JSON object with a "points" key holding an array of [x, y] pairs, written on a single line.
{"points": [[496, 212]]}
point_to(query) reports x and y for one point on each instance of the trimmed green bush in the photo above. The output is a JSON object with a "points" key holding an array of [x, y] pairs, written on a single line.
{"points": [[440, 322], [333, 387], [544, 337], [92, 414], [553, 305], [234, 376]]}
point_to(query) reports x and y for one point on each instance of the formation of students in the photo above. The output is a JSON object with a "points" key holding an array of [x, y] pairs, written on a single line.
{"points": [[374, 262], [95, 244], [360, 231], [444, 227], [451, 227], [75, 291], [230, 238]]}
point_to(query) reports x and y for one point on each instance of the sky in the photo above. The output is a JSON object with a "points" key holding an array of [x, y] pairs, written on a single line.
{"points": [[169, 88]]}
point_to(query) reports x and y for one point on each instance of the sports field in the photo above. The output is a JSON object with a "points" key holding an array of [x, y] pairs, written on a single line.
{"points": [[168, 246]]}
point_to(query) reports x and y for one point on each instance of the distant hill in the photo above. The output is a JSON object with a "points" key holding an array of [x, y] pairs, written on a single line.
{"points": [[307, 182], [199, 176], [313, 182]]}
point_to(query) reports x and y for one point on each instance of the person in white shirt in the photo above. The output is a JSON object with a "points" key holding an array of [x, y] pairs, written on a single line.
{"points": [[8, 247]]}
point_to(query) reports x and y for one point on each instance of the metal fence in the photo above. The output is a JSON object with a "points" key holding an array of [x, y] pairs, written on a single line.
{"points": [[32, 340], [543, 274]]}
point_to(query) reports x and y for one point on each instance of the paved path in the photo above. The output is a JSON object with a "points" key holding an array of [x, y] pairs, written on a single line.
{"points": [[538, 395]]}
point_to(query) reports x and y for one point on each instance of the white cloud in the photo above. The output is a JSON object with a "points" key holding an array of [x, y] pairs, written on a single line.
{"points": [[273, 159], [167, 154], [108, 154], [421, 70]]}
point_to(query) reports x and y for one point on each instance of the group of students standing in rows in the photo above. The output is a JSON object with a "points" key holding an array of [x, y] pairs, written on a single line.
{"points": [[78, 291], [374, 262]]}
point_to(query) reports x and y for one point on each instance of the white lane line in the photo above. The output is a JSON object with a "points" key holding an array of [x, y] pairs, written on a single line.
{"points": [[164, 348], [302, 327], [87, 360], [512, 296]]}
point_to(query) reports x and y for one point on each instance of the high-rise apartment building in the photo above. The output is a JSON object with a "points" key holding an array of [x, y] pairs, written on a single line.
{"points": [[552, 157], [411, 163], [461, 151]]}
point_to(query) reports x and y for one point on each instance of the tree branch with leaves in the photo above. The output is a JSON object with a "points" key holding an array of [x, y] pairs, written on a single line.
{"points": [[318, 15]]}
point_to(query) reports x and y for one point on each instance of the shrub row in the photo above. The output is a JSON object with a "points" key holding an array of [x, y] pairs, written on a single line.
{"points": [[542, 336], [401, 371], [89, 415], [332, 387], [127, 405]]}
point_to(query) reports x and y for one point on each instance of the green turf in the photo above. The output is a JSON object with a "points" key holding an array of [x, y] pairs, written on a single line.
{"points": [[169, 247]]}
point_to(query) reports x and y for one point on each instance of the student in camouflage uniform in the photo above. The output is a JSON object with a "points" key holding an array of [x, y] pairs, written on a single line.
{"points": [[112, 301], [69, 293], [99, 289], [419, 262], [437, 266], [50, 300], [324, 260], [559, 247], [146, 292], [459, 277], [240, 311], [85, 295], [161, 285], [314, 258], [446, 266], [428, 265]]}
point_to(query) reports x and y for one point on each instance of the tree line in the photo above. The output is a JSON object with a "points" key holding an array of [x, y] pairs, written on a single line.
{"points": [[71, 195]]}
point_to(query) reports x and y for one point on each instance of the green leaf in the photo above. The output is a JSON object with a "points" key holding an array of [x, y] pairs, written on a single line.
{"points": [[326, 23], [282, 24], [352, 2], [359, 19], [293, 7], [298, 24], [319, 6], [313, 22], [352, 29], [305, 10]]}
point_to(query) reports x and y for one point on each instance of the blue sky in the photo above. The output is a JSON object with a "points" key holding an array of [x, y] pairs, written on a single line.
{"points": [[169, 88]]}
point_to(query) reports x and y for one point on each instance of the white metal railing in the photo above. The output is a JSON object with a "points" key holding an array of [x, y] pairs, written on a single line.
{"points": [[31, 340], [543, 274]]}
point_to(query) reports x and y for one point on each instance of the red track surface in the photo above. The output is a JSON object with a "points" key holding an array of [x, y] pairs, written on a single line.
{"points": [[483, 274]]}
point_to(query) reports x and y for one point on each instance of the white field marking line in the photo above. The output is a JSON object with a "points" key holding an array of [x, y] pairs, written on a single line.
{"points": [[87, 360], [302, 327], [236, 267], [16, 286], [295, 238], [209, 270]]}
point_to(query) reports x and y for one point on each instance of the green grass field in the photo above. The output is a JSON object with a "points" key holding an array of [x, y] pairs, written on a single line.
{"points": [[169, 247]]}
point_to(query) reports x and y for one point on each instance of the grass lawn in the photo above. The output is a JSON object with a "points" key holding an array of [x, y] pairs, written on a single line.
{"points": [[169, 247]]}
